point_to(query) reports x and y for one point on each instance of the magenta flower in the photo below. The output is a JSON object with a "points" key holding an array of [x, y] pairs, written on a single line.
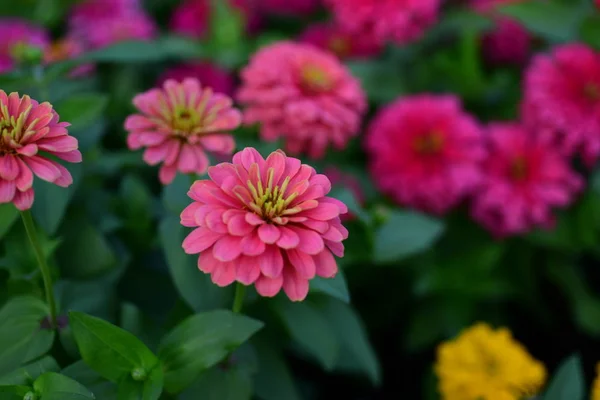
{"points": [[100, 23], [525, 177], [28, 130], [265, 222], [562, 98], [425, 152], [401, 21], [15, 33], [178, 124], [210, 75], [192, 17], [304, 95], [330, 37], [290, 7]]}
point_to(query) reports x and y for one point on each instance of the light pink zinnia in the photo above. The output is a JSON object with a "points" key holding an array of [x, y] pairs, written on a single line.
{"points": [[303, 94], [209, 74], [401, 21], [525, 177], [562, 98], [291, 7], [28, 131], [330, 37], [192, 17], [14, 33], [265, 222], [178, 123], [425, 152]]}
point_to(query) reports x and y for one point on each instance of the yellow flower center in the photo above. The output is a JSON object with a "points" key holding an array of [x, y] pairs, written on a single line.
{"points": [[11, 128], [185, 120], [270, 201], [518, 169], [429, 144], [315, 79]]}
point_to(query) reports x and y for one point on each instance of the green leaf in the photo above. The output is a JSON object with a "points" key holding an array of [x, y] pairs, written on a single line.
{"points": [[405, 234], [274, 380], [352, 335], [28, 373], [51, 201], [218, 384], [590, 31], [13, 392], [311, 330], [174, 195], [82, 110], [200, 342], [83, 374], [552, 20], [194, 286], [150, 389], [130, 51], [8, 216], [381, 83], [336, 286], [22, 338], [53, 386], [111, 351], [568, 382]]}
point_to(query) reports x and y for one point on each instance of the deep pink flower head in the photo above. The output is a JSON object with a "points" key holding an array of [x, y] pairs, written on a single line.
{"points": [[209, 74], [99, 23], [525, 177], [14, 33], [562, 98], [28, 131], [178, 124], [192, 17], [302, 94], [293, 7], [330, 37], [425, 152], [66, 49], [401, 21], [265, 222]]}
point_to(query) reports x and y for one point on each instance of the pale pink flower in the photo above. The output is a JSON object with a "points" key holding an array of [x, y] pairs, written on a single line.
{"points": [[425, 152], [209, 74], [15, 33], [303, 94], [265, 222], [192, 17], [180, 122], [401, 21], [291, 7], [525, 178], [66, 49], [330, 37], [562, 99], [29, 131]]}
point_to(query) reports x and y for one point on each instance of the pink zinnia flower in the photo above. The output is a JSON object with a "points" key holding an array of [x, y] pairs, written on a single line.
{"points": [[28, 130], [210, 75], [525, 177], [562, 98], [304, 95], [293, 7], [14, 33], [66, 49], [330, 37], [265, 222], [424, 152], [178, 123], [401, 21], [192, 17]]}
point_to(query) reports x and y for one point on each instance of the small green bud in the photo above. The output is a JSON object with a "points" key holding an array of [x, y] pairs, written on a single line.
{"points": [[139, 374], [26, 54], [30, 396]]}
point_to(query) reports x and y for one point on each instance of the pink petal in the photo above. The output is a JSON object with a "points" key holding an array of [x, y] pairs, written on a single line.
{"points": [[7, 191], [268, 233], [188, 215], [25, 179], [43, 168], [326, 264], [23, 200], [9, 167], [269, 287], [336, 248], [247, 157], [214, 221], [167, 173], [28, 150], [199, 240], [70, 156], [252, 245], [254, 219], [271, 262], [288, 239], [294, 285], [61, 144], [238, 226], [324, 212], [302, 263], [220, 172], [207, 263], [65, 178], [187, 161], [223, 274], [310, 241], [227, 248], [248, 270]]}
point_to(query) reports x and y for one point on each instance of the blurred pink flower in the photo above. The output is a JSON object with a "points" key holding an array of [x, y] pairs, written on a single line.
{"points": [[192, 17], [29, 129], [425, 152], [66, 49], [400, 21], [99, 23], [303, 94], [338, 177], [524, 178], [265, 222], [14, 33], [209, 75], [562, 98], [330, 37], [178, 123], [291, 7]]}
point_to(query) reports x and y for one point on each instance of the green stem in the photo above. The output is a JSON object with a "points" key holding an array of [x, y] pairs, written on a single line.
{"points": [[238, 301], [37, 248]]}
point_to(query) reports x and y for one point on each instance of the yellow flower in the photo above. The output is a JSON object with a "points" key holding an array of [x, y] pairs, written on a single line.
{"points": [[486, 364], [596, 387]]}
